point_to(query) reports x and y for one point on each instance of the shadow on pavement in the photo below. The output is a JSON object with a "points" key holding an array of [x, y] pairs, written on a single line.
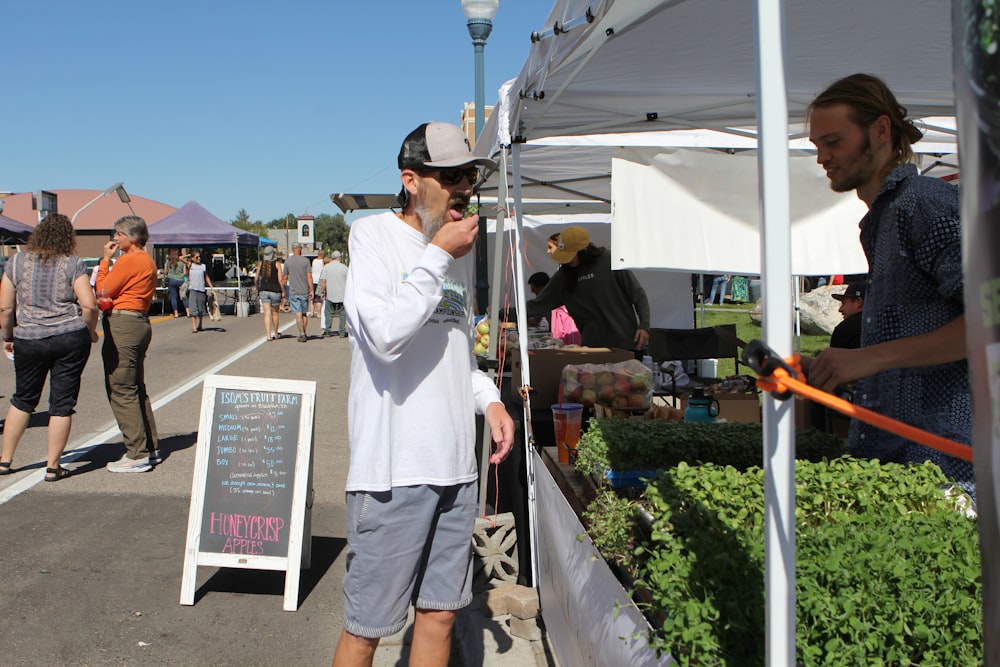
{"points": [[272, 582], [98, 457]]}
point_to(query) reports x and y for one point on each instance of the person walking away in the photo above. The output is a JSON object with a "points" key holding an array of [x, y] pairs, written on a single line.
{"points": [[298, 277], [125, 295], [609, 307], [415, 389], [332, 283], [198, 285], [48, 288], [316, 307], [911, 365], [719, 284], [176, 273], [270, 283]]}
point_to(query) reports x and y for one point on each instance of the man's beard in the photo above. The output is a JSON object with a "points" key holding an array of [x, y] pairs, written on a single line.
{"points": [[862, 169], [430, 224]]}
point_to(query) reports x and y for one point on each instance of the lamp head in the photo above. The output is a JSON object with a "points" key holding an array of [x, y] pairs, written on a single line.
{"points": [[480, 9]]}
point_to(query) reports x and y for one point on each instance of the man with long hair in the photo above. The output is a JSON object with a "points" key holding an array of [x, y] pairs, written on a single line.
{"points": [[912, 362]]}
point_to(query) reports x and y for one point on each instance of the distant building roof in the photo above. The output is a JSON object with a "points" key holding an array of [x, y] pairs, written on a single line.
{"points": [[99, 216]]}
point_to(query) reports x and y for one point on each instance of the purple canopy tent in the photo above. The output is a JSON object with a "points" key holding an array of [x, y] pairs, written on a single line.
{"points": [[12, 231], [192, 225]]}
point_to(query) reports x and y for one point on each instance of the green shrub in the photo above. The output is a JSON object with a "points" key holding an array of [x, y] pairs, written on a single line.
{"points": [[628, 444], [888, 570], [611, 520]]}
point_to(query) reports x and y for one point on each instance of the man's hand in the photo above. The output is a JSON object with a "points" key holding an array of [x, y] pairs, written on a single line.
{"points": [[459, 237], [836, 366], [502, 428], [641, 338]]}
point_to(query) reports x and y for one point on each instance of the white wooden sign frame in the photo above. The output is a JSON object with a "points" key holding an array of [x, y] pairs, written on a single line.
{"points": [[300, 523]]}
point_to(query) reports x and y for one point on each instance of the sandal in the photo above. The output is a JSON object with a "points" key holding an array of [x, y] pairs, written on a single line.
{"points": [[57, 473], [5, 468]]}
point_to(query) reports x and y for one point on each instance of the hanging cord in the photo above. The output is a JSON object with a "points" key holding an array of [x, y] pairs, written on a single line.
{"points": [[781, 378], [501, 347]]}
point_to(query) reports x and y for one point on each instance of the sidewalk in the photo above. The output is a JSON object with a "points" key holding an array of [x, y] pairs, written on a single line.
{"points": [[92, 564]]}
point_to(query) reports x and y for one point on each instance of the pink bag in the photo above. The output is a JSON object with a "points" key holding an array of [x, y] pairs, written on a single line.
{"points": [[564, 328]]}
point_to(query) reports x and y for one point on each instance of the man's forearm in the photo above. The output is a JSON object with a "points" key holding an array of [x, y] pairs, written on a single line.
{"points": [[940, 346]]}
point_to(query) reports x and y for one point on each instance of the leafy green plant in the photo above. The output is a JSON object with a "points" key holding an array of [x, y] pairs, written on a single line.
{"points": [[888, 570], [611, 519], [628, 444]]}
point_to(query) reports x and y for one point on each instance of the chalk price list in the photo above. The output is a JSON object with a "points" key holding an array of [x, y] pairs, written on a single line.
{"points": [[251, 470]]}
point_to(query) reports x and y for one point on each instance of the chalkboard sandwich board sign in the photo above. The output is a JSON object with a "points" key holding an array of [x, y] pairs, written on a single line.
{"points": [[252, 480]]}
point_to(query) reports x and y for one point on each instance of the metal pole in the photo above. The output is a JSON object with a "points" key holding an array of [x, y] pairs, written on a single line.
{"points": [[479, 30]]}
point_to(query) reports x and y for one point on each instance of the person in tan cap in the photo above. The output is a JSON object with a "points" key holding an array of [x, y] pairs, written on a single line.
{"points": [[609, 307], [412, 492]]}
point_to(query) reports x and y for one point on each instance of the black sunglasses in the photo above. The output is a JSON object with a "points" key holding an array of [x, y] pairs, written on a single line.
{"points": [[455, 175]]}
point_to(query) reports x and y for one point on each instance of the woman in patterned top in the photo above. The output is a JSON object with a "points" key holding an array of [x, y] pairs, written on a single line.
{"points": [[56, 321]]}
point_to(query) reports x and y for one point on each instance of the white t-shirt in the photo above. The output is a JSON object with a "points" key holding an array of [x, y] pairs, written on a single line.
{"points": [[317, 268], [196, 278], [415, 385]]}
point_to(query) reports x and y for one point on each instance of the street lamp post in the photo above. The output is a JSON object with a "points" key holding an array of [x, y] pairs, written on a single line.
{"points": [[118, 188], [479, 16]]}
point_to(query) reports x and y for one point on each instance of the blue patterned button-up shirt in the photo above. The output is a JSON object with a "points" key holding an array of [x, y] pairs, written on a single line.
{"points": [[912, 238]]}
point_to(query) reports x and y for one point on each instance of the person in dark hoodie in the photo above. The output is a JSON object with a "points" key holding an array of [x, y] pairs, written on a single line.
{"points": [[609, 307]]}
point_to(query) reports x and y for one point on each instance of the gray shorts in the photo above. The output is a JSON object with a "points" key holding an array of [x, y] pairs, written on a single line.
{"points": [[401, 537], [270, 298]]}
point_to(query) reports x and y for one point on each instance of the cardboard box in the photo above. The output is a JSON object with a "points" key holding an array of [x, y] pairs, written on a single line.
{"points": [[547, 366], [604, 412], [742, 408]]}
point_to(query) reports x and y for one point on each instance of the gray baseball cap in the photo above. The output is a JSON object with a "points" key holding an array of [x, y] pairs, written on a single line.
{"points": [[438, 146]]}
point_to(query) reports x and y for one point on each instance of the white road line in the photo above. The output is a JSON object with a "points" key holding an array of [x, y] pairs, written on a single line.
{"points": [[112, 431]]}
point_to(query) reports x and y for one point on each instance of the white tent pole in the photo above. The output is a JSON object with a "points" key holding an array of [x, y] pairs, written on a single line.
{"points": [[779, 425], [522, 335]]}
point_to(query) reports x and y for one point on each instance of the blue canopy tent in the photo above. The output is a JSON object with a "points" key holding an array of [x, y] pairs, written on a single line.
{"points": [[193, 225]]}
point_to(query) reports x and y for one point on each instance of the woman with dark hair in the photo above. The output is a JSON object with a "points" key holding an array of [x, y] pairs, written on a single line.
{"points": [[49, 289], [270, 283], [125, 295], [176, 273], [609, 307]]}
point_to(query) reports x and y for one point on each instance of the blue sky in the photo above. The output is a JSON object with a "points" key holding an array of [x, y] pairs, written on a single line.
{"points": [[265, 106]]}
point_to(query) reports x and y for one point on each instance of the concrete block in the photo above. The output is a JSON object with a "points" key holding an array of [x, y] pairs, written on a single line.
{"points": [[525, 628], [522, 602], [493, 602]]}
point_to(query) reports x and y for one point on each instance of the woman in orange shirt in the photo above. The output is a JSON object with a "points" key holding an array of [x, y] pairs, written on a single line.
{"points": [[125, 296]]}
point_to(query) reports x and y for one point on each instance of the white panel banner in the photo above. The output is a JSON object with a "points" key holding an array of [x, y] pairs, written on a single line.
{"points": [[698, 210]]}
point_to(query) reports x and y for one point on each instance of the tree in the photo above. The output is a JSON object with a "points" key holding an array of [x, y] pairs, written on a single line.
{"points": [[332, 232], [242, 221]]}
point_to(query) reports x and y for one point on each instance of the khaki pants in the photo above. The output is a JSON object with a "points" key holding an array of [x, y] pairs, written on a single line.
{"points": [[126, 339]]}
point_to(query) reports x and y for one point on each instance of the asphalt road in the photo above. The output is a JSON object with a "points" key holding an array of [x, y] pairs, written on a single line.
{"points": [[90, 566]]}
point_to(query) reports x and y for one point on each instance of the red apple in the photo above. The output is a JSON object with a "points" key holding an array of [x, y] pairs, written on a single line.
{"points": [[619, 402], [622, 386], [588, 378], [637, 400]]}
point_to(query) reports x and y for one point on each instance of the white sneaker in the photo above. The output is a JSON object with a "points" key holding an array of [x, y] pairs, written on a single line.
{"points": [[125, 464]]}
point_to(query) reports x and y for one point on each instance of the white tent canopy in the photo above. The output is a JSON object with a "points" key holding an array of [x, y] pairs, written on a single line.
{"points": [[608, 66], [644, 65]]}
